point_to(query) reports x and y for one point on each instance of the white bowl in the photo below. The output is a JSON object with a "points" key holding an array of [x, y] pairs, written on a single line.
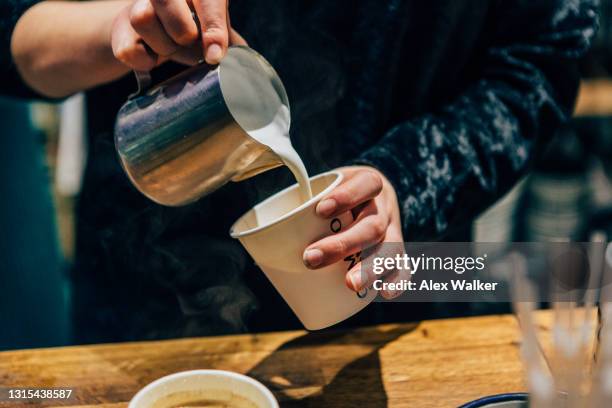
{"points": [[199, 384]]}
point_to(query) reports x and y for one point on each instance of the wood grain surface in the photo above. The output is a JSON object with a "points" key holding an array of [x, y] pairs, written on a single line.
{"points": [[441, 363], [595, 98]]}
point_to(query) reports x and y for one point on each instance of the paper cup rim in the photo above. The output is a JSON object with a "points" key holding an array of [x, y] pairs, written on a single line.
{"points": [[208, 372], [292, 213]]}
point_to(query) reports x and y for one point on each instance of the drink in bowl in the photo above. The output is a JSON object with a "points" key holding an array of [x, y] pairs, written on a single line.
{"points": [[204, 389], [276, 232]]}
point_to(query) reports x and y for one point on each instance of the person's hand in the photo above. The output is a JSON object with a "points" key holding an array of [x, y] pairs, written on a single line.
{"points": [[372, 200], [147, 33]]}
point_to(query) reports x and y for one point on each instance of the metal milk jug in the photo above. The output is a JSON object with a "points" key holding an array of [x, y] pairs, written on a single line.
{"points": [[188, 136]]}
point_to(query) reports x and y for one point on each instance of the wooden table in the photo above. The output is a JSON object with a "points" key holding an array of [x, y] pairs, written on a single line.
{"points": [[439, 363], [594, 98]]}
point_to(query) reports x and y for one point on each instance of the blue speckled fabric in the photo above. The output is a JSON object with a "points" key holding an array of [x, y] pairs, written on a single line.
{"points": [[448, 164]]}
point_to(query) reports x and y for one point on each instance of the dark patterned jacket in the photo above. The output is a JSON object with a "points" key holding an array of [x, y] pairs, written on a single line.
{"points": [[450, 99]]}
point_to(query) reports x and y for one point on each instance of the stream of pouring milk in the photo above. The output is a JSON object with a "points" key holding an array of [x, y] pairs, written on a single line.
{"points": [[258, 103], [275, 135]]}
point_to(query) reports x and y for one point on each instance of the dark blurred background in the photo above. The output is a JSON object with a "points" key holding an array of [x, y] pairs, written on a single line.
{"points": [[568, 196]]}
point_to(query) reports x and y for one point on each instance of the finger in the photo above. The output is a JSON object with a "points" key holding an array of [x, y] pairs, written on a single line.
{"points": [[129, 48], [177, 20], [235, 38], [364, 233], [147, 25], [394, 235], [393, 279], [188, 55], [363, 186], [213, 19], [394, 243], [359, 278], [355, 280]]}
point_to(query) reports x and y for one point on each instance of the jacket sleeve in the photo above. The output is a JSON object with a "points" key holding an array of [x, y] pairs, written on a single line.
{"points": [[11, 83], [449, 165]]}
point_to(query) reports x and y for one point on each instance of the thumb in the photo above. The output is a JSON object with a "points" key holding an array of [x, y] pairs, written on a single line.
{"points": [[213, 20], [235, 38]]}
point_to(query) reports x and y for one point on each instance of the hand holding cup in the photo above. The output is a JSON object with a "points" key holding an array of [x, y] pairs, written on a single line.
{"points": [[372, 200]]}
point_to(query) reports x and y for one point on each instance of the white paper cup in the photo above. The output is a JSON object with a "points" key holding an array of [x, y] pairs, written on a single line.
{"points": [[276, 232], [212, 385]]}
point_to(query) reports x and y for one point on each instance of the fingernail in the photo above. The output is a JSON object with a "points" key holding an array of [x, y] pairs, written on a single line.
{"points": [[214, 53], [326, 207], [392, 294], [313, 257], [356, 281]]}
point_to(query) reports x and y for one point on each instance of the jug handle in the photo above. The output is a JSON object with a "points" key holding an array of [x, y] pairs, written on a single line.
{"points": [[143, 78], [143, 81]]}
